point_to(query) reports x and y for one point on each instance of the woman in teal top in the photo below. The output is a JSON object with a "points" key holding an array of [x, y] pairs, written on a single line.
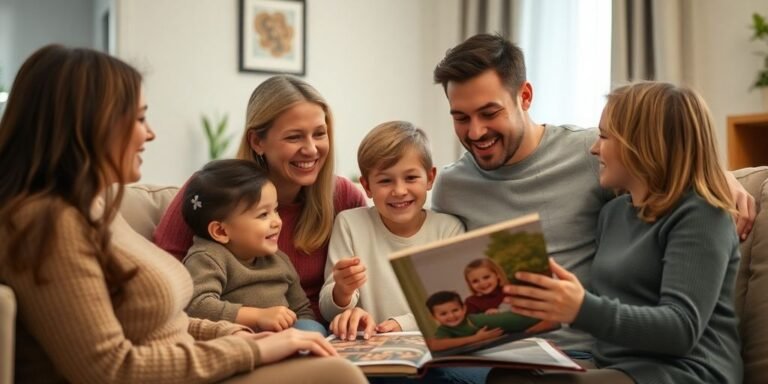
{"points": [[661, 299]]}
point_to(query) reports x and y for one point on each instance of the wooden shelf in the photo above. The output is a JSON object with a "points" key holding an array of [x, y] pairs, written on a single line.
{"points": [[747, 140]]}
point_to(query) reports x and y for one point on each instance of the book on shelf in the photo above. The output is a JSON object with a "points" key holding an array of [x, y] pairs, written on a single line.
{"points": [[453, 288]]}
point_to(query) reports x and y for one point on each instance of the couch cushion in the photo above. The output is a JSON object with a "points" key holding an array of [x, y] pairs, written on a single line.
{"points": [[143, 205], [7, 333], [752, 282], [752, 179]]}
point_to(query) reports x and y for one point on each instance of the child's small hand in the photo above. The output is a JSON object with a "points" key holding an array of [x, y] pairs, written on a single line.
{"points": [[486, 334], [389, 325], [491, 311], [275, 318], [349, 275]]}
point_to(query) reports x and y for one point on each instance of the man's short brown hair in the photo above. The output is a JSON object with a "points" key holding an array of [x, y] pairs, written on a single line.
{"points": [[478, 54]]}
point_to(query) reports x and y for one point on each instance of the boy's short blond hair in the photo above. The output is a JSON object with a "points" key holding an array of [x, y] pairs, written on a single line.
{"points": [[386, 144]]}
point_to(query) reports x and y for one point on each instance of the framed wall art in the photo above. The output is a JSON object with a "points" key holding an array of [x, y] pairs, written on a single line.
{"points": [[273, 36]]}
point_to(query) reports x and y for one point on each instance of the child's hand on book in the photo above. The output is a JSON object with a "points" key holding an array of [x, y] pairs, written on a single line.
{"points": [[547, 298], [349, 275], [346, 324], [275, 318], [389, 325]]}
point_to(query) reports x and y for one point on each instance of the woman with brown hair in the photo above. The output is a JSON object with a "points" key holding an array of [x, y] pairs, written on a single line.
{"points": [[289, 133], [98, 302], [661, 298]]}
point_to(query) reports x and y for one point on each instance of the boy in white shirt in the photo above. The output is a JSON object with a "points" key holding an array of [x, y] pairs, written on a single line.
{"points": [[361, 290]]}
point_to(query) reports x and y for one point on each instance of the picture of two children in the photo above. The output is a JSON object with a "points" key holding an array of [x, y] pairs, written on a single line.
{"points": [[459, 317]]}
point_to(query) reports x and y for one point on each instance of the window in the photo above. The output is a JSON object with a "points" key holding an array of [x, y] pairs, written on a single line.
{"points": [[567, 46]]}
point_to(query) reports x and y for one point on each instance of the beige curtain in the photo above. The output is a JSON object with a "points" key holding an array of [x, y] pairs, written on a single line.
{"points": [[652, 40], [489, 16]]}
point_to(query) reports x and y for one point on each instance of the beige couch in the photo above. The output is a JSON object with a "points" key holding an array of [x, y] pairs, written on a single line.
{"points": [[144, 204], [752, 282]]}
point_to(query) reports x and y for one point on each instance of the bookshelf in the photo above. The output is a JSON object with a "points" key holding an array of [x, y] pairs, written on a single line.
{"points": [[747, 140]]}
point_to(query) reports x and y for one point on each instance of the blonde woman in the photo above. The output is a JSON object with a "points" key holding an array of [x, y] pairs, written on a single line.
{"points": [[97, 302], [289, 133], [661, 303]]}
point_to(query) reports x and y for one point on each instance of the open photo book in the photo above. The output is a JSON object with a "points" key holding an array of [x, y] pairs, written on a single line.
{"points": [[406, 354], [453, 287]]}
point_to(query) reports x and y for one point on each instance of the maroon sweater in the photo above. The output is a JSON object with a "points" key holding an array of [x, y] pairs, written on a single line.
{"points": [[173, 235], [480, 304]]}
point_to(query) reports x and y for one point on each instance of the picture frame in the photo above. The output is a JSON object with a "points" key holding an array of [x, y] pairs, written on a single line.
{"points": [[272, 36]]}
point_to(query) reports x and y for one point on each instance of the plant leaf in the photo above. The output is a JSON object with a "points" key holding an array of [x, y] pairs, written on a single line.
{"points": [[222, 125]]}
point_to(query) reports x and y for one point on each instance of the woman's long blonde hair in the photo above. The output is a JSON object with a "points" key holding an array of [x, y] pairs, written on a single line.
{"points": [[666, 140], [268, 101], [67, 108]]}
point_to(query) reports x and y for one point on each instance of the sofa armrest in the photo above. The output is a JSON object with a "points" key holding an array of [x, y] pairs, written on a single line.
{"points": [[143, 205], [752, 179], [751, 291], [7, 333]]}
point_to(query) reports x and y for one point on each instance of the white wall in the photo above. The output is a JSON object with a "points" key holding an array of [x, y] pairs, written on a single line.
{"points": [[726, 65], [26, 25], [372, 60]]}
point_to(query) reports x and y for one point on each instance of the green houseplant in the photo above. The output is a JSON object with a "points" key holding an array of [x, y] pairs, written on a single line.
{"points": [[216, 135], [760, 32]]}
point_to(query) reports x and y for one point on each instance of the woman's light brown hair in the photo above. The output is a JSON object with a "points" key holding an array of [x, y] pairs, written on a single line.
{"points": [[666, 140], [268, 101]]}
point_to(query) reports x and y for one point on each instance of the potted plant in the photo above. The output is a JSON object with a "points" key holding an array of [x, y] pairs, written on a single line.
{"points": [[760, 32], [216, 135]]}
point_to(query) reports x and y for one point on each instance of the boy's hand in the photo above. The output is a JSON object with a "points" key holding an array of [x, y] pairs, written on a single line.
{"points": [[491, 311], [349, 275], [486, 334], [274, 318], [389, 325], [346, 324]]}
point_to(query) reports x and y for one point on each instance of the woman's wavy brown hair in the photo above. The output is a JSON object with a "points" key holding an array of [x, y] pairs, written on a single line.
{"points": [[268, 101], [666, 140], [67, 109]]}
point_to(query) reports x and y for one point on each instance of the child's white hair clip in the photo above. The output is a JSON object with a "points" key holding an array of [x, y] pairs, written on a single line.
{"points": [[196, 203]]}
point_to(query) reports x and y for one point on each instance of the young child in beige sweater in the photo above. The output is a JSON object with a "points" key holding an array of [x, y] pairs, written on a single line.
{"points": [[238, 272]]}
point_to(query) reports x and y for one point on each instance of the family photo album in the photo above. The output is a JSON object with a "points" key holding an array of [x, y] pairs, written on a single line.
{"points": [[453, 287]]}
